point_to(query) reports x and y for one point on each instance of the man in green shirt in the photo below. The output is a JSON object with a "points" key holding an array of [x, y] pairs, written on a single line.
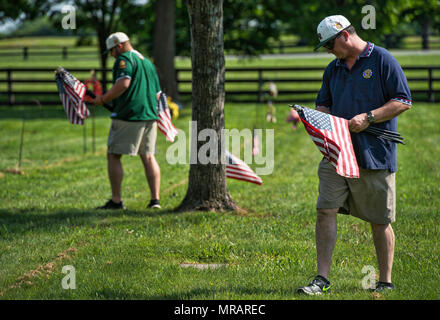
{"points": [[133, 131]]}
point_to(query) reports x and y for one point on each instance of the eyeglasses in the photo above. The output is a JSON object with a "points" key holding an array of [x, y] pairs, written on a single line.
{"points": [[331, 43]]}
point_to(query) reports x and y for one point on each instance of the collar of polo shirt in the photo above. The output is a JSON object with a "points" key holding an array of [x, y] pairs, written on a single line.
{"points": [[365, 54]]}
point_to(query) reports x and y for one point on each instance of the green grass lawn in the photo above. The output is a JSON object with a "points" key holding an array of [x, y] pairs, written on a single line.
{"points": [[47, 218]]}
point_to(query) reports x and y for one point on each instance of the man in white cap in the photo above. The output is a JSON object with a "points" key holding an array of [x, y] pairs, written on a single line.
{"points": [[133, 130], [366, 86]]}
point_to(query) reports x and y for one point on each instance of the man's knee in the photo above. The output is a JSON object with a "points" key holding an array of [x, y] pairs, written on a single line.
{"points": [[327, 212], [381, 228], [148, 157], [113, 156]]}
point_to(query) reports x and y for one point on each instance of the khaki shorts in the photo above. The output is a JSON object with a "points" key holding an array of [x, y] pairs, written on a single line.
{"points": [[132, 137], [372, 197]]}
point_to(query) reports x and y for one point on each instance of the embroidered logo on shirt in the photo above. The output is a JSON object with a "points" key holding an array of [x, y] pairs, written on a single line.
{"points": [[367, 73], [122, 64]]}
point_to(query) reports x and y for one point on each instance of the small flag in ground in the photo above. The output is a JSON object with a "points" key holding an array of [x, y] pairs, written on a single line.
{"points": [[72, 94], [332, 137], [255, 143], [164, 123], [238, 169]]}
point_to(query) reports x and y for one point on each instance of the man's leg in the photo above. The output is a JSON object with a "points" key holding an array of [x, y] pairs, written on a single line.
{"points": [[115, 174], [326, 232], [152, 172], [383, 237]]}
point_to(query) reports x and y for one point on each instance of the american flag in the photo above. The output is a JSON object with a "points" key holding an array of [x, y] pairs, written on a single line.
{"points": [[164, 123], [72, 94], [238, 169], [332, 137]]}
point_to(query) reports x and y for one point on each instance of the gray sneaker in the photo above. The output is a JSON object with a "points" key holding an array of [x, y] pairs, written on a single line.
{"points": [[318, 286]]}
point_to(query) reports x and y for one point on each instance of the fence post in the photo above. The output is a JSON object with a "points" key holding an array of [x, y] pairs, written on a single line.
{"points": [[104, 80], [176, 75], [25, 53], [10, 96], [65, 53], [431, 97], [260, 85]]}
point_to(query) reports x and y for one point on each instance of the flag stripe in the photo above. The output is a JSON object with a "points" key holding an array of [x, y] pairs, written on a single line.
{"points": [[342, 165], [243, 178]]}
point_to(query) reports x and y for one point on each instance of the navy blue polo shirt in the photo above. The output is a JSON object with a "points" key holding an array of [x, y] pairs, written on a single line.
{"points": [[374, 79]]}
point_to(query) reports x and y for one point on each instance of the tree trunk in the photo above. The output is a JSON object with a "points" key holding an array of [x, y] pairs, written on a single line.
{"points": [[165, 47], [207, 188], [103, 60], [426, 26]]}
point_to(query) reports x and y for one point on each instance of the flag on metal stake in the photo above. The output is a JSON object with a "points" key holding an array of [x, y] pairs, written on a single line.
{"points": [[238, 169], [255, 143], [164, 123]]}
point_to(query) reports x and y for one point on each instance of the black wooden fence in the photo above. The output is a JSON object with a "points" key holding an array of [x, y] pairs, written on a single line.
{"points": [[48, 51], [36, 86]]}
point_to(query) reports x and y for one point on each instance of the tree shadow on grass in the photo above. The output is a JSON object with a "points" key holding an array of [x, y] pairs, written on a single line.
{"points": [[36, 112], [19, 221], [40, 113], [199, 294]]}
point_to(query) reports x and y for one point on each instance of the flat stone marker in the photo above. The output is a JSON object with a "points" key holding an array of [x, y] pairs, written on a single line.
{"points": [[203, 266]]}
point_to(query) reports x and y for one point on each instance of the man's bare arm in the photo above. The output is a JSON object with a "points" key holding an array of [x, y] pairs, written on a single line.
{"points": [[118, 88], [388, 111]]}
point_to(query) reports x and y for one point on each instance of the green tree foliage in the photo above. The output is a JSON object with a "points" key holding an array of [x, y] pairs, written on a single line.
{"points": [[248, 25], [302, 17], [25, 9], [426, 13]]}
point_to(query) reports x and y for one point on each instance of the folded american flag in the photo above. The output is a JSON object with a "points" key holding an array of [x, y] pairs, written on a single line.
{"points": [[238, 169], [72, 94], [332, 137], [164, 123]]}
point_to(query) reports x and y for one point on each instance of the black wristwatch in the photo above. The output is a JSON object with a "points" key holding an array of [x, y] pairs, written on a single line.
{"points": [[370, 117]]}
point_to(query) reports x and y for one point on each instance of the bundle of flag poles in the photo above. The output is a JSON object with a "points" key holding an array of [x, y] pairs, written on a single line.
{"points": [[392, 136], [385, 134]]}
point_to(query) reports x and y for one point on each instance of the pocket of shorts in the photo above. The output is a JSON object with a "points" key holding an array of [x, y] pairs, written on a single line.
{"points": [[115, 124]]}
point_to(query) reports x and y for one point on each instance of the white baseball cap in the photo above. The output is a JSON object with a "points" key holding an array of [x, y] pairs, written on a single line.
{"points": [[114, 39], [330, 27]]}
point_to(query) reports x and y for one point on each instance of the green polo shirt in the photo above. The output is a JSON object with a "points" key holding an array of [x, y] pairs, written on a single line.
{"points": [[139, 101]]}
